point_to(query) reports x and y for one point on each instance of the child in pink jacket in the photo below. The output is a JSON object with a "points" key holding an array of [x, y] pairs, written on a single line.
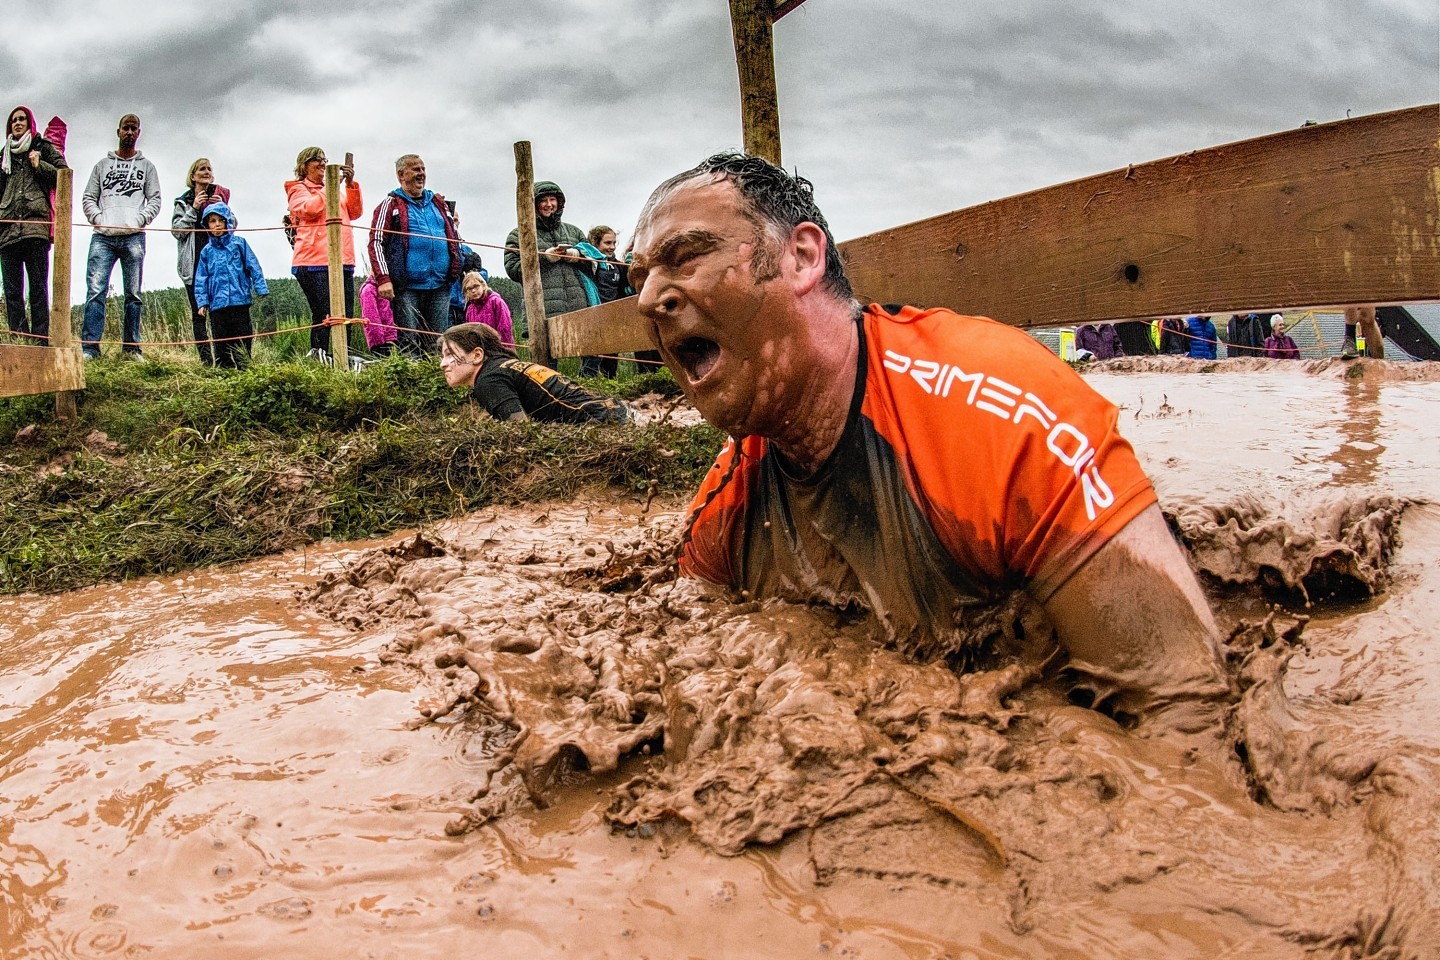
{"points": [[483, 305], [380, 330]]}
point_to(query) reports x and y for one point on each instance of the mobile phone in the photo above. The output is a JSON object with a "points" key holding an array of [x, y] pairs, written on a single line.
{"points": [[349, 159]]}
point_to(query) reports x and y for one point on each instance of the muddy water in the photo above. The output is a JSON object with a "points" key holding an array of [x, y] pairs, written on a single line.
{"points": [[516, 738]]}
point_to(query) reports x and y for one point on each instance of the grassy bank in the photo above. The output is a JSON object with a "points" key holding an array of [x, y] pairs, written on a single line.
{"points": [[172, 466]]}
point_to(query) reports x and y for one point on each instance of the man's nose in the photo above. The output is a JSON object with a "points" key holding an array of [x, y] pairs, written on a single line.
{"points": [[657, 299]]}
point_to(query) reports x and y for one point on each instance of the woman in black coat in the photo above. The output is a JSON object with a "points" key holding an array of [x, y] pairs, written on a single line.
{"points": [[28, 165]]}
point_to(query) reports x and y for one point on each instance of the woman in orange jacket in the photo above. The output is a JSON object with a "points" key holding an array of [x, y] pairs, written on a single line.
{"points": [[311, 262]]}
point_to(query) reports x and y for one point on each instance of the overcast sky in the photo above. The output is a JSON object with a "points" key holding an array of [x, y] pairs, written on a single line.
{"points": [[897, 111]]}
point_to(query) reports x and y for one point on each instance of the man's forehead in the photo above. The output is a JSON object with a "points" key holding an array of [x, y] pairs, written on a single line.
{"points": [[697, 203]]}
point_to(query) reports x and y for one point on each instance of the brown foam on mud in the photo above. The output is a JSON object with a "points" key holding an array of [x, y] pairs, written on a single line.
{"points": [[750, 723]]}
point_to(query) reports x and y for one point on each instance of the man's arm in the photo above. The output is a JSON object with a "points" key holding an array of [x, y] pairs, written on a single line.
{"points": [[1134, 619], [151, 208], [90, 197]]}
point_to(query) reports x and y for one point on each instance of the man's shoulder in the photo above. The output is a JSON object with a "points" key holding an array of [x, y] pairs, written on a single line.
{"points": [[898, 328]]}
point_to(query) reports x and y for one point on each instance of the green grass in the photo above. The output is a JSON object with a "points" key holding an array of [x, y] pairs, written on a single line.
{"points": [[207, 466]]}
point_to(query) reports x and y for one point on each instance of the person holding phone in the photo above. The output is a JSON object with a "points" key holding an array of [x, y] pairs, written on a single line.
{"points": [[311, 260], [201, 190], [561, 264]]}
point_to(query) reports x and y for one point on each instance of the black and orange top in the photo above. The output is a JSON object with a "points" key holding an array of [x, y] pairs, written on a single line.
{"points": [[973, 460], [505, 386]]}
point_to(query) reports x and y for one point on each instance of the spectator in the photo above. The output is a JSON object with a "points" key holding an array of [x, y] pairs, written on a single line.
{"points": [[609, 284], [201, 190], [1245, 336], [380, 332], [225, 275], [414, 253], [1279, 345], [561, 266], [470, 262], [471, 355], [311, 260], [1202, 337], [1173, 338], [28, 168], [1362, 318], [120, 200], [483, 305]]}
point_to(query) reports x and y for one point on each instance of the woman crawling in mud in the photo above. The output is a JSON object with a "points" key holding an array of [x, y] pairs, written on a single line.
{"points": [[473, 355]]}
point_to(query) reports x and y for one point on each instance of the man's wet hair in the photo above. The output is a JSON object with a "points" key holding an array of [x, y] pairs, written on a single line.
{"points": [[776, 201]]}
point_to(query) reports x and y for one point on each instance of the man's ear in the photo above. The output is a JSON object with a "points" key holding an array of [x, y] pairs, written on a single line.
{"points": [[808, 246]]}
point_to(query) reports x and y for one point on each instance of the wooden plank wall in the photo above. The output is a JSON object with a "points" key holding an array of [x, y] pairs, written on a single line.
{"points": [[27, 370], [1342, 212]]}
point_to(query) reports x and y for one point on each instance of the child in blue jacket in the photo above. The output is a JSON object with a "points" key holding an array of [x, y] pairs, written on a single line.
{"points": [[226, 272]]}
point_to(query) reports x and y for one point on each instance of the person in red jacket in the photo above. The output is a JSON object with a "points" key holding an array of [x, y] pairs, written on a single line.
{"points": [[311, 260], [908, 461]]}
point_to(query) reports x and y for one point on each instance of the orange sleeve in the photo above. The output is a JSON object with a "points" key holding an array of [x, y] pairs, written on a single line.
{"points": [[718, 513], [1015, 460]]}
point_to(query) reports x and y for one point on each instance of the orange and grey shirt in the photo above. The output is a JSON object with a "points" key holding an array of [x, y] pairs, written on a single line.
{"points": [[973, 461]]}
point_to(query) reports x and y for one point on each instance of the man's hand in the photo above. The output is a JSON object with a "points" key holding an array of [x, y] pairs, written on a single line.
{"points": [[204, 311], [386, 290], [347, 173]]}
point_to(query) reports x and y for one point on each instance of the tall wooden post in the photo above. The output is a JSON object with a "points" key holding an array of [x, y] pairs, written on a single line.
{"points": [[340, 333], [750, 22], [530, 257], [60, 338]]}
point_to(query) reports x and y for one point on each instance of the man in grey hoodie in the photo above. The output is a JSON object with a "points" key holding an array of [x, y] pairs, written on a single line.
{"points": [[120, 200]]}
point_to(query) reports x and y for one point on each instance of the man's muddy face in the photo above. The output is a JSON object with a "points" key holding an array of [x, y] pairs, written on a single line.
{"points": [[720, 319]]}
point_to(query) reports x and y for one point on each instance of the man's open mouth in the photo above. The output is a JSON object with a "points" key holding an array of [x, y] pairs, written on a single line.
{"points": [[698, 356]]}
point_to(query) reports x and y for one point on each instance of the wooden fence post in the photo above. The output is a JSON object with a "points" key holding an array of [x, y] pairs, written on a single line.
{"points": [[530, 257], [60, 338], [750, 22], [340, 333]]}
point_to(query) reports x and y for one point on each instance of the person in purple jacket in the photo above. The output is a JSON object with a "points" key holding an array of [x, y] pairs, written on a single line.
{"points": [[1279, 345], [483, 305]]}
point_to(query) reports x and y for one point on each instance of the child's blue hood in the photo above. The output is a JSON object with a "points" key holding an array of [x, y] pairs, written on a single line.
{"points": [[223, 209]]}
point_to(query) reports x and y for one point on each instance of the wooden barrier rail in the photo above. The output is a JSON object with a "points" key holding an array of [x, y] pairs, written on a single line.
{"points": [[58, 368], [1342, 212]]}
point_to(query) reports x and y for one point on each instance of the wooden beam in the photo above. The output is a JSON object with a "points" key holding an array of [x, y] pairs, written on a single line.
{"points": [[340, 333], [1340, 213], [1343, 212], [755, 60], [610, 328], [66, 405], [29, 370], [783, 8], [536, 321]]}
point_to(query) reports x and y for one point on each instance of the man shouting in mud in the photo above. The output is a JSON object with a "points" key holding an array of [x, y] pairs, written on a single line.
{"points": [[910, 461]]}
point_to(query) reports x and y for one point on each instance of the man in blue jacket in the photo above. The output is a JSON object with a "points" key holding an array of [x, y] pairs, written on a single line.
{"points": [[414, 254]]}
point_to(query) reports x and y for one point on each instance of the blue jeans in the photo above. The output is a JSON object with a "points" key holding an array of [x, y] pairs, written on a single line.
{"points": [[129, 249], [419, 313]]}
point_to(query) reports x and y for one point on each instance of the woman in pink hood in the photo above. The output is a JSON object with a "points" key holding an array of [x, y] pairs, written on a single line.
{"points": [[28, 165], [311, 261]]}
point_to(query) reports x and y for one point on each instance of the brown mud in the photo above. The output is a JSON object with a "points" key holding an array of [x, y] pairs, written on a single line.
{"points": [[514, 734]]}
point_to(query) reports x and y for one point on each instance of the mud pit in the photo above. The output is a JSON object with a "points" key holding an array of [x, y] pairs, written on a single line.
{"points": [[518, 741]]}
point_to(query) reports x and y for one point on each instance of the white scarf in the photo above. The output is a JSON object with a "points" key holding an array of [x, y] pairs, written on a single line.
{"points": [[12, 145]]}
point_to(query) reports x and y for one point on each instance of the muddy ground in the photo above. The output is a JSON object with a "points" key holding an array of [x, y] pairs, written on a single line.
{"points": [[514, 734]]}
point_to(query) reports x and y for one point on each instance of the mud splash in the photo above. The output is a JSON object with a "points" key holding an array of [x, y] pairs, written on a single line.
{"points": [[514, 734]]}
